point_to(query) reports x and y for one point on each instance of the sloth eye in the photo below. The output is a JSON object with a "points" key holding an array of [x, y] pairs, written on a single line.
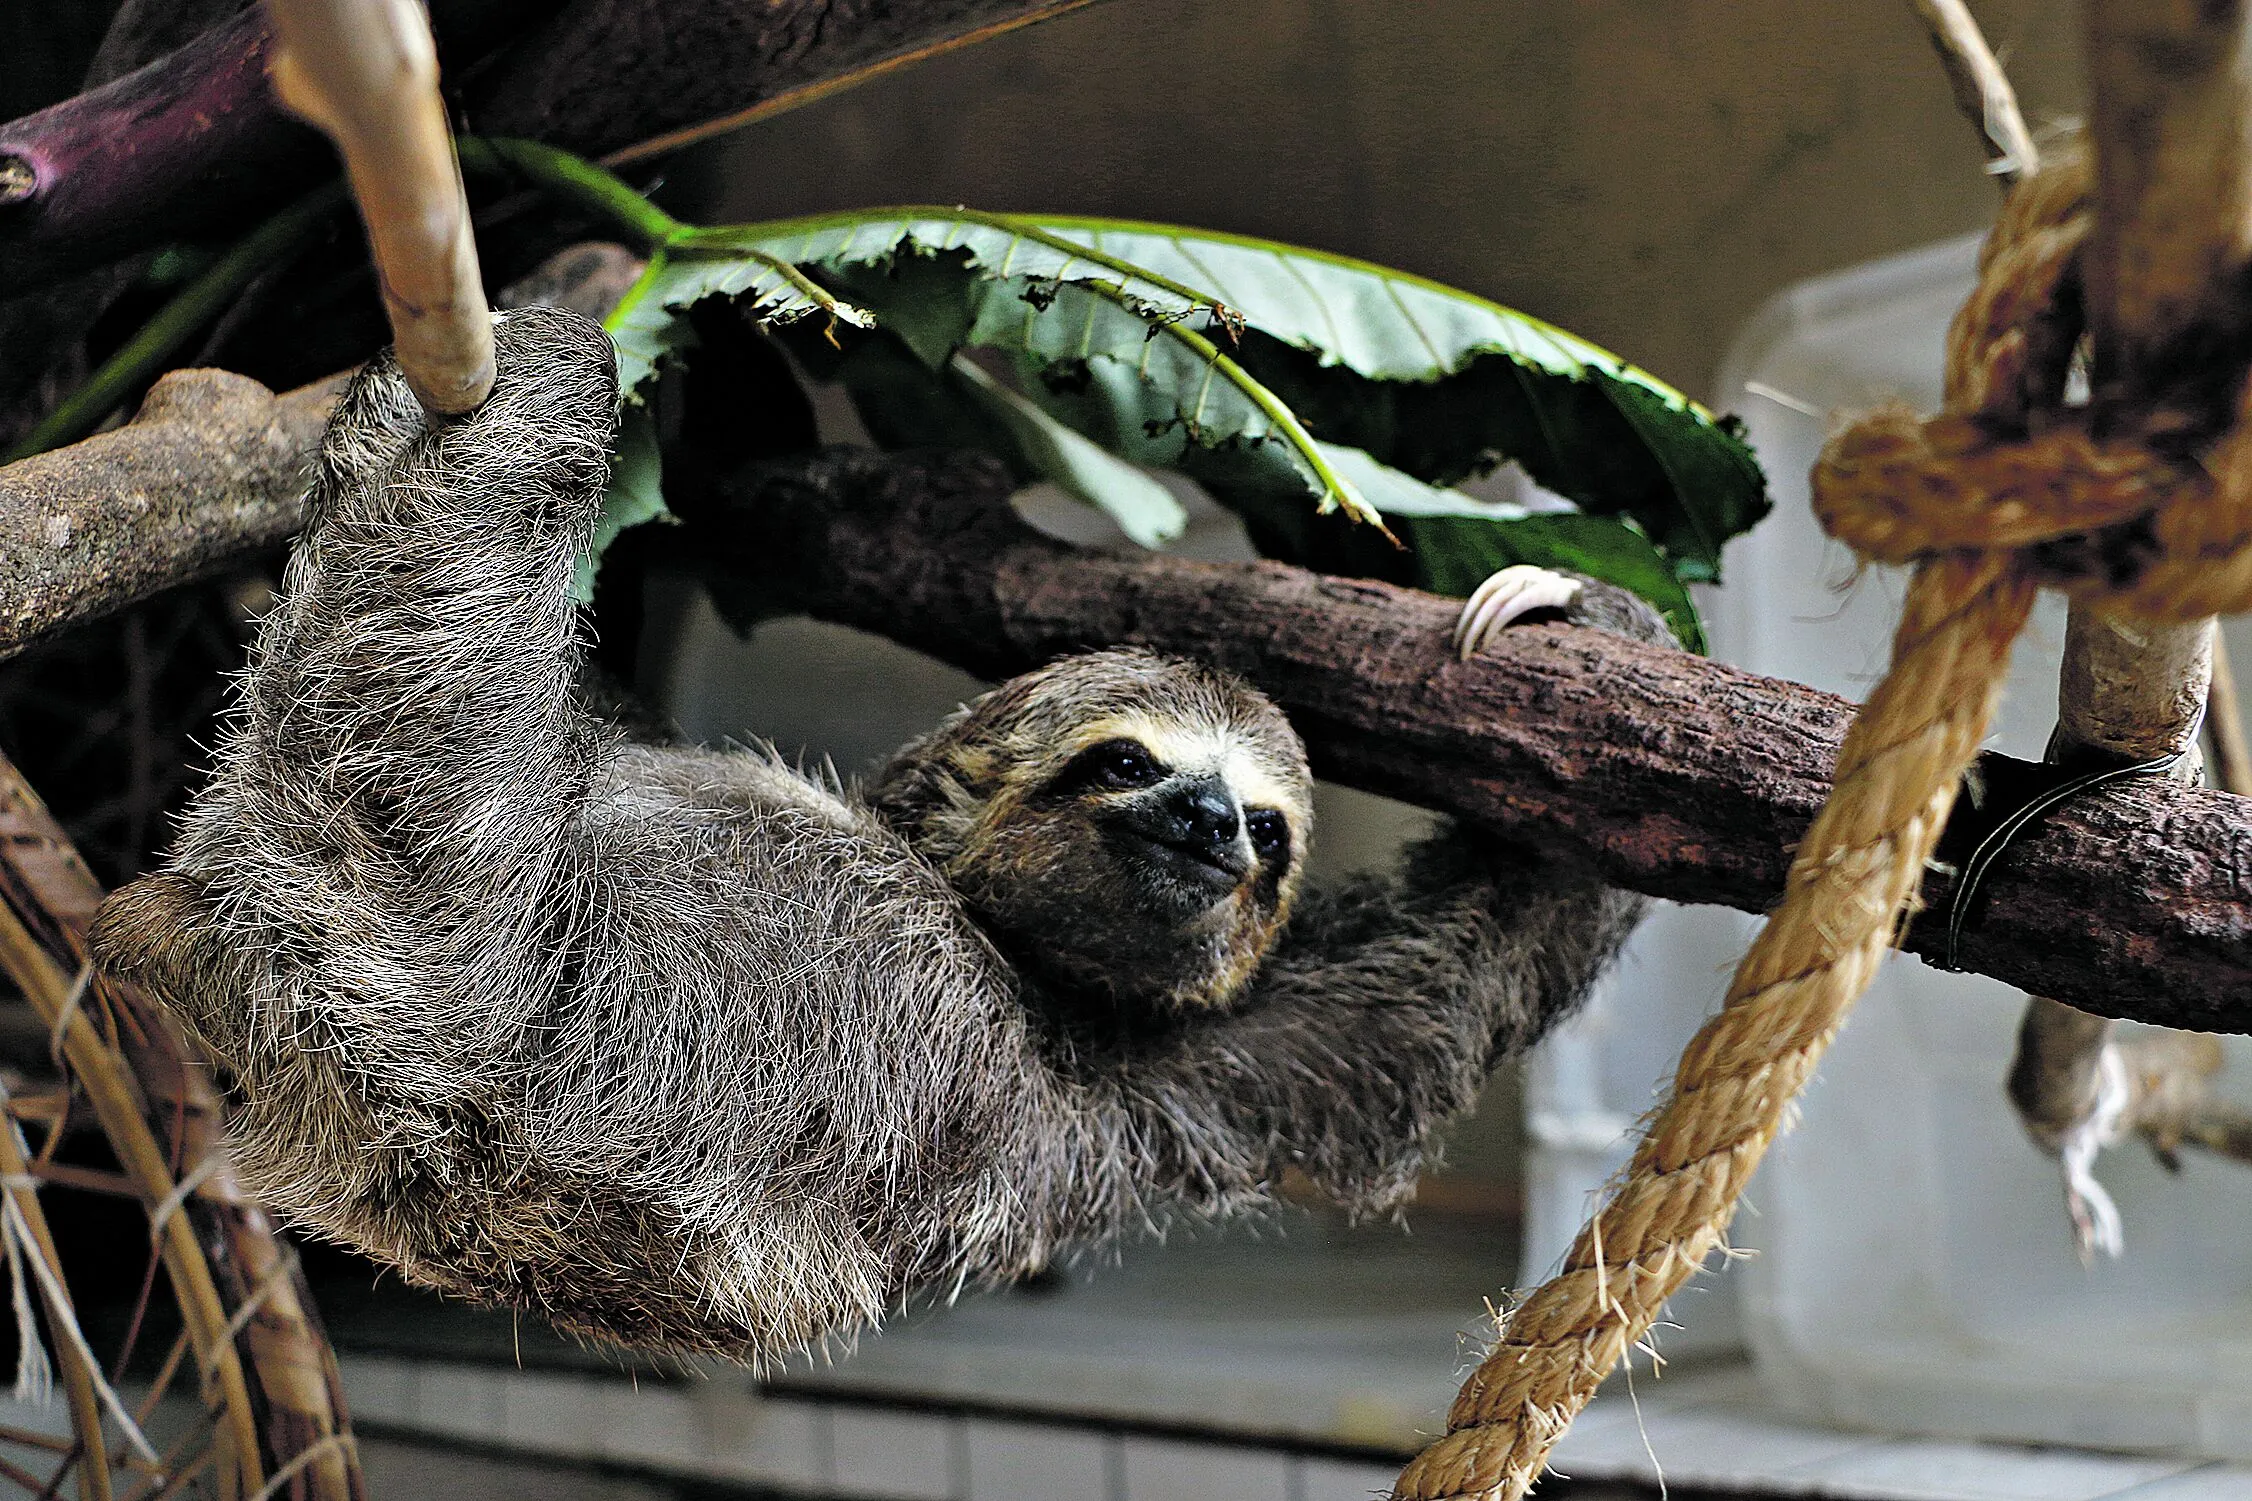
{"points": [[1270, 833], [1113, 766]]}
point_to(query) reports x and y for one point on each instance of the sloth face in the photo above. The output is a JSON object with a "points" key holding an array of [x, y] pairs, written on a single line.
{"points": [[1127, 828]]}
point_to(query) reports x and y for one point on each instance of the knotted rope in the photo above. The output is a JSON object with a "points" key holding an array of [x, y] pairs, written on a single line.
{"points": [[2006, 491]]}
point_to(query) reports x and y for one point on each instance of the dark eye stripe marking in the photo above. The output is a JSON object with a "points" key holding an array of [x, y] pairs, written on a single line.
{"points": [[1270, 833], [1113, 766]]}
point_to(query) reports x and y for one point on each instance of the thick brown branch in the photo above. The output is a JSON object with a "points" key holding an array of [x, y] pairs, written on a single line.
{"points": [[1676, 775], [210, 472]]}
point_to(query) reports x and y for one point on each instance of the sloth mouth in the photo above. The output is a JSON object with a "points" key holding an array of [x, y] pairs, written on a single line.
{"points": [[1199, 869]]}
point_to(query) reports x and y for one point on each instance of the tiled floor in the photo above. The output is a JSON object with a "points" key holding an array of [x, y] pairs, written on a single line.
{"points": [[722, 1430], [1318, 1369], [1706, 1431]]}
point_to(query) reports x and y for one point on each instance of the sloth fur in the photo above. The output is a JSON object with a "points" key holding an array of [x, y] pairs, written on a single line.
{"points": [[684, 1049]]}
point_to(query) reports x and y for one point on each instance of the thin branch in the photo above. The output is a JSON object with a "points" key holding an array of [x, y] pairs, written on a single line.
{"points": [[366, 72], [1982, 89]]}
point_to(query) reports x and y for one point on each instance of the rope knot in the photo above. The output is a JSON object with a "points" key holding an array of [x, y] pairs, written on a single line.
{"points": [[2155, 523]]}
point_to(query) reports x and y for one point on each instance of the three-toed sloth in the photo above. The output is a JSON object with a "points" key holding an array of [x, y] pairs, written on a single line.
{"points": [[683, 1048]]}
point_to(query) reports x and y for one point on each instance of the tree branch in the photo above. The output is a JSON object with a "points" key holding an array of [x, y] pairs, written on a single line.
{"points": [[195, 141], [174, 150], [212, 471], [1982, 90], [1672, 774], [367, 74]]}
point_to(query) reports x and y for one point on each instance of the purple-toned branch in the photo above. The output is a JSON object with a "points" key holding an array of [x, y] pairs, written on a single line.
{"points": [[195, 142], [171, 150]]}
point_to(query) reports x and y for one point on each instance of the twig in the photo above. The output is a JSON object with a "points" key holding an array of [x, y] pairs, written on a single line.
{"points": [[366, 71], [18, 1475], [1982, 90]]}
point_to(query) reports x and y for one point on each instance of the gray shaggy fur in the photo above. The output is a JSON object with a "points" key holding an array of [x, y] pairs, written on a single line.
{"points": [[680, 1048]]}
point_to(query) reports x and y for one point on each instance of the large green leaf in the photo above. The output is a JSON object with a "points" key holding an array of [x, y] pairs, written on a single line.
{"points": [[649, 327], [1272, 374], [1247, 361], [906, 404], [1459, 382], [1145, 510], [942, 279], [1425, 378]]}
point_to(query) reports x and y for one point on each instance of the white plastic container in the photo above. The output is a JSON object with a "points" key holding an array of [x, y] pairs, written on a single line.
{"points": [[1916, 1272]]}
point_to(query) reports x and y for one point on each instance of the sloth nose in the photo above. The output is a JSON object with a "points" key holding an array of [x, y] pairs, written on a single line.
{"points": [[1203, 820]]}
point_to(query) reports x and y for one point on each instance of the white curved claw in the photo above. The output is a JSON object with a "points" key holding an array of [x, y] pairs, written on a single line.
{"points": [[1513, 592]]}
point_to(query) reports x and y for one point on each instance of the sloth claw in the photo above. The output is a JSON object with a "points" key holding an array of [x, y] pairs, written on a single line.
{"points": [[1507, 596]]}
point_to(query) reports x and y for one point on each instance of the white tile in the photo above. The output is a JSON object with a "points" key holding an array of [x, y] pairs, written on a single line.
{"points": [[460, 1401], [650, 1422], [1707, 1447], [552, 1414], [1342, 1480], [767, 1440], [2205, 1483], [397, 1469], [895, 1454], [1925, 1470], [1036, 1462], [379, 1391], [1162, 1470]]}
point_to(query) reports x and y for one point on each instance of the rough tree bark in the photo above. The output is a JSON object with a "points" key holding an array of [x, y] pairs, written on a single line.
{"points": [[1674, 775], [211, 471], [194, 141]]}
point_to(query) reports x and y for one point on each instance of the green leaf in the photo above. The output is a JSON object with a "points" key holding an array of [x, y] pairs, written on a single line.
{"points": [[1145, 510], [1226, 337], [649, 327], [1442, 384], [1222, 356], [636, 493], [905, 404], [946, 278]]}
